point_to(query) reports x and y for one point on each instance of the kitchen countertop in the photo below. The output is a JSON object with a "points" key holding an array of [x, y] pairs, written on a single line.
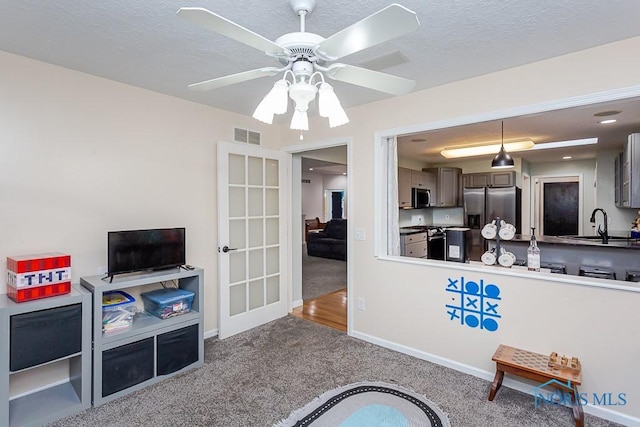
{"points": [[409, 230], [618, 241], [414, 229]]}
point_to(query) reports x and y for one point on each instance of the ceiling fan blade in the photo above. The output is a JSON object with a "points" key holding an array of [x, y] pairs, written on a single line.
{"points": [[235, 78], [217, 23], [382, 82], [386, 24]]}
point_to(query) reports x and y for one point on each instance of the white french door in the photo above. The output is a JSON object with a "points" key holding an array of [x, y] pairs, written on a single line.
{"points": [[252, 224]]}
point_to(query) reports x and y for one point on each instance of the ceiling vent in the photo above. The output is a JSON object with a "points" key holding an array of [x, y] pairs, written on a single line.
{"points": [[246, 136]]}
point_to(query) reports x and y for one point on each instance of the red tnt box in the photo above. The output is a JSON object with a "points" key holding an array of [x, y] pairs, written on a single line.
{"points": [[38, 276], [22, 295]]}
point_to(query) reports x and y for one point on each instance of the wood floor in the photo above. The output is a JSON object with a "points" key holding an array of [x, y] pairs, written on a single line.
{"points": [[329, 310]]}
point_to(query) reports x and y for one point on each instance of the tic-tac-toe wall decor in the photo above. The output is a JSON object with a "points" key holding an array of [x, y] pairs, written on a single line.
{"points": [[474, 303]]}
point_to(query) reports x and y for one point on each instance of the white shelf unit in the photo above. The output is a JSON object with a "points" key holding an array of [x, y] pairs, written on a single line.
{"points": [[145, 339], [49, 404]]}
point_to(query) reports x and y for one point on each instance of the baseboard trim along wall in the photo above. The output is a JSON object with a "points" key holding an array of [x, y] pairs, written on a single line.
{"points": [[210, 334], [524, 387], [297, 303]]}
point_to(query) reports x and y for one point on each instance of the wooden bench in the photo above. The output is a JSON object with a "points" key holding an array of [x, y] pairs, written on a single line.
{"points": [[537, 367]]}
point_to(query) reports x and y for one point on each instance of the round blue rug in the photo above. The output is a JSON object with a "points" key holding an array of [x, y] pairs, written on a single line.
{"points": [[368, 404]]}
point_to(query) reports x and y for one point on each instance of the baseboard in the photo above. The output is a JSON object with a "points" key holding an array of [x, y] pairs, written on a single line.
{"points": [[598, 411], [297, 303], [210, 334]]}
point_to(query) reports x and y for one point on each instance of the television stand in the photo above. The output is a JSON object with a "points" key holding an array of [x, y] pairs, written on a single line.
{"points": [[148, 271], [152, 349]]}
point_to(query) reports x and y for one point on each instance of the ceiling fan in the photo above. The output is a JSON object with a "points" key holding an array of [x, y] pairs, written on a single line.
{"points": [[305, 56]]}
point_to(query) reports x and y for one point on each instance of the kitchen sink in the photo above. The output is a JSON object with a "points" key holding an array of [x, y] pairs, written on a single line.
{"points": [[595, 237]]}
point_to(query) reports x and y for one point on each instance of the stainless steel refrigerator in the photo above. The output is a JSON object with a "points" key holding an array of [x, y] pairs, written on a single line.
{"points": [[484, 204]]}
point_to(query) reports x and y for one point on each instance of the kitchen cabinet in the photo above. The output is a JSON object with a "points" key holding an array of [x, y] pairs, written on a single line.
{"points": [[430, 182], [617, 180], [421, 179], [476, 180], [503, 179], [489, 179], [414, 245], [404, 188], [446, 193], [630, 176]]}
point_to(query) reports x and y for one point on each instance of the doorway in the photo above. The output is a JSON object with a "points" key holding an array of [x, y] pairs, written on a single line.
{"points": [[558, 205], [334, 204], [324, 194]]}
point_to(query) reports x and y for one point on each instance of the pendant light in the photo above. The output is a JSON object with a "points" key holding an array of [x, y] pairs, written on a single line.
{"points": [[502, 160]]}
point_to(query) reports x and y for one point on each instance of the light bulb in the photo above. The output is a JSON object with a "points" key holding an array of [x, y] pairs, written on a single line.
{"points": [[300, 121], [274, 102], [329, 106], [338, 117], [263, 112], [280, 99]]}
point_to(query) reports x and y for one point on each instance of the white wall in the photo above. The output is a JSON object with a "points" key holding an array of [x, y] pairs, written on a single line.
{"points": [[541, 313], [312, 195], [81, 155]]}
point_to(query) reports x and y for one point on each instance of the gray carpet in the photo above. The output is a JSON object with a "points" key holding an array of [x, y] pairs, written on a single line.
{"points": [[259, 377], [321, 276]]}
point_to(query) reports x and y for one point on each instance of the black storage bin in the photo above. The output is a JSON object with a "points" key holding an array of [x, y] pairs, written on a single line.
{"points": [[45, 335], [597, 272], [633, 276], [177, 349], [554, 267], [126, 366]]}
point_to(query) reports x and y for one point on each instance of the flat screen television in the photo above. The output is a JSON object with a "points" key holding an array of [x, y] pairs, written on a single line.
{"points": [[145, 250]]}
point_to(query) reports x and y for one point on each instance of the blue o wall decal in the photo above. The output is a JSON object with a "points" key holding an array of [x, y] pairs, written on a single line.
{"points": [[473, 303]]}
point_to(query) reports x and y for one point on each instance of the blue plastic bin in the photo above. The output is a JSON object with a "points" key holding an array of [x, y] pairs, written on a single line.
{"points": [[168, 302], [117, 311]]}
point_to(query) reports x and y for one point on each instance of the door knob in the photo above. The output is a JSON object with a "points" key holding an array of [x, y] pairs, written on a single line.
{"points": [[226, 249]]}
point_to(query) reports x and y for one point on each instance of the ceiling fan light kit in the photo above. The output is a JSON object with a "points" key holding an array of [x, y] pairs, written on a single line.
{"points": [[299, 120], [329, 106], [302, 54]]}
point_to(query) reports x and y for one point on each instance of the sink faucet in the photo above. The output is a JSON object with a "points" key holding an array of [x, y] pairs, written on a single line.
{"points": [[602, 232]]}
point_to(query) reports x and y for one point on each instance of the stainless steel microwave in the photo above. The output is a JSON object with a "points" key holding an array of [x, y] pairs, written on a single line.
{"points": [[420, 198]]}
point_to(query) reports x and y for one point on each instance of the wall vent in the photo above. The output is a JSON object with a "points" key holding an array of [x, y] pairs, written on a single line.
{"points": [[246, 136]]}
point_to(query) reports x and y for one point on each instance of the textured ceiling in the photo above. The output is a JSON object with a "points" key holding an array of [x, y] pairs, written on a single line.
{"points": [[144, 43]]}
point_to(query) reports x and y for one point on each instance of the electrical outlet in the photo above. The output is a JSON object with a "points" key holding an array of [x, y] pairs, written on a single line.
{"points": [[447, 217], [361, 305]]}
